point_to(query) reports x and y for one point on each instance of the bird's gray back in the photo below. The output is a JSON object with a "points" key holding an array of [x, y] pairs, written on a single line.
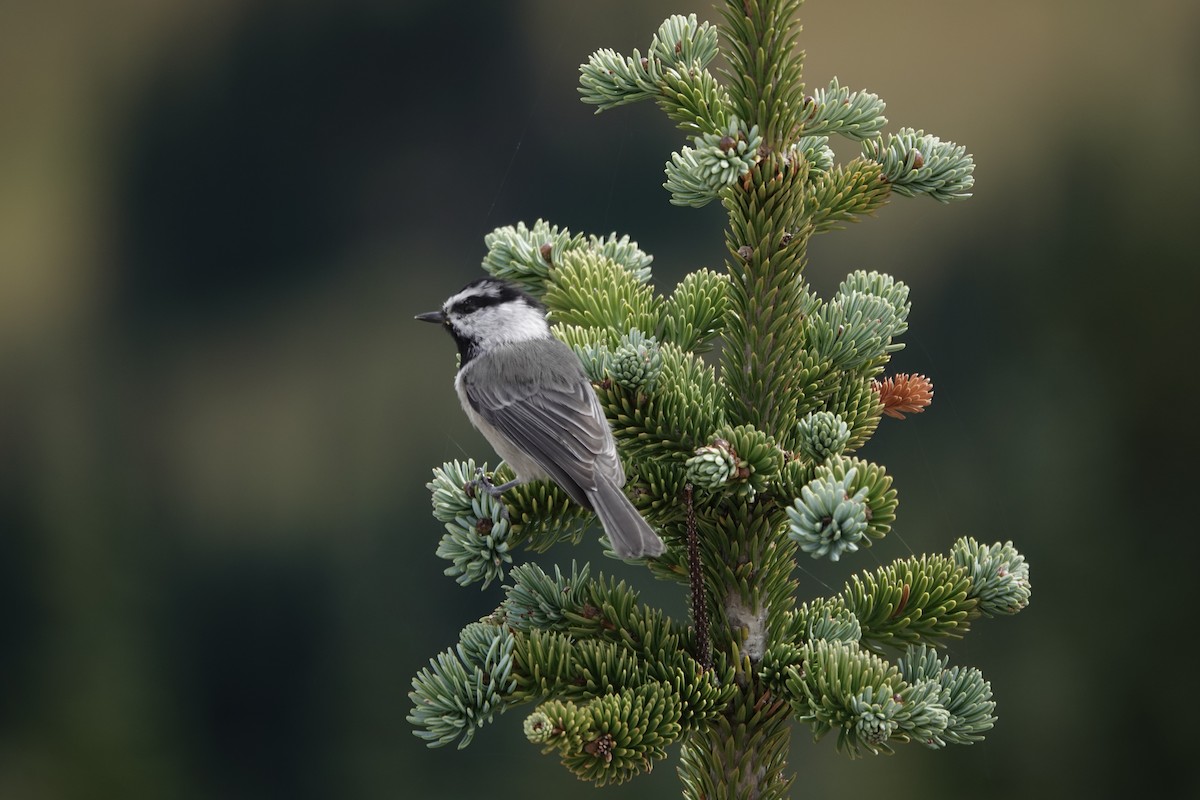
{"points": [[537, 394]]}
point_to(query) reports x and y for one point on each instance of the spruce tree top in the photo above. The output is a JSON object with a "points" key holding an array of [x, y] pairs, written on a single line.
{"points": [[745, 460]]}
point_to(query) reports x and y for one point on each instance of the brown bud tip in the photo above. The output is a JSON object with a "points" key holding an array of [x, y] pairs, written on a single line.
{"points": [[645, 63], [918, 159], [546, 250], [601, 747], [678, 47], [745, 252], [483, 527], [727, 143], [904, 394]]}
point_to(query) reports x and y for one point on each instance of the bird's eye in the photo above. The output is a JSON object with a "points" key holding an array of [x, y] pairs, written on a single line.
{"points": [[467, 306]]}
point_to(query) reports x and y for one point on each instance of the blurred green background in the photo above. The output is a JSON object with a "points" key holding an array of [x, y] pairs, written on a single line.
{"points": [[217, 218]]}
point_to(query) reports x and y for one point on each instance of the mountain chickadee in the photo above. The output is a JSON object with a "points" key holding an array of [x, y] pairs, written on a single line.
{"points": [[527, 393]]}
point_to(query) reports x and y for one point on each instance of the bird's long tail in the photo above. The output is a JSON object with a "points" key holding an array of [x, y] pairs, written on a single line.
{"points": [[631, 536]]}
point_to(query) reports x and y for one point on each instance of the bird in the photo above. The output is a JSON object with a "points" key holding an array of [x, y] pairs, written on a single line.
{"points": [[528, 394]]}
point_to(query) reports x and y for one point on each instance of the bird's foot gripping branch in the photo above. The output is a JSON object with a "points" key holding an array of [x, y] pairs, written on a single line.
{"points": [[742, 464]]}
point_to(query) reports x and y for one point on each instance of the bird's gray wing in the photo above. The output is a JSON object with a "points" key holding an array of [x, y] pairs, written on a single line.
{"points": [[538, 396]]}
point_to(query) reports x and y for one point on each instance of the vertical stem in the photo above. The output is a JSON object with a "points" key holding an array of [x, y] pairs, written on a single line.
{"points": [[768, 229], [703, 648], [765, 66], [744, 754], [766, 378]]}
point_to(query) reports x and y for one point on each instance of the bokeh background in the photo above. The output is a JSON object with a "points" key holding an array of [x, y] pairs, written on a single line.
{"points": [[218, 217]]}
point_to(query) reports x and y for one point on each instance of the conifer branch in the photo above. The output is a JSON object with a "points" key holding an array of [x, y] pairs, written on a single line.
{"points": [[912, 601], [915, 162], [846, 193], [837, 110]]}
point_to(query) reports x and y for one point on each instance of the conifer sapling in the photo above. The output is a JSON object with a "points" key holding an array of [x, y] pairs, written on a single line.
{"points": [[744, 462]]}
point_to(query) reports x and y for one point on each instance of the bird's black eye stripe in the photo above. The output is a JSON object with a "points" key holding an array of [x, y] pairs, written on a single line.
{"points": [[492, 292], [469, 305], [475, 302]]}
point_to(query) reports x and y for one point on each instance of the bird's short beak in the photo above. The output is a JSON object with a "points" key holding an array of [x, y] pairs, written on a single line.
{"points": [[431, 316]]}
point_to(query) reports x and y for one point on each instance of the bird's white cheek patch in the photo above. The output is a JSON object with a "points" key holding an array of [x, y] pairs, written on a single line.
{"points": [[492, 326]]}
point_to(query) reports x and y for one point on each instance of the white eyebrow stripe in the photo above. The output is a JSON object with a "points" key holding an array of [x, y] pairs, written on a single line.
{"points": [[463, 295]]}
